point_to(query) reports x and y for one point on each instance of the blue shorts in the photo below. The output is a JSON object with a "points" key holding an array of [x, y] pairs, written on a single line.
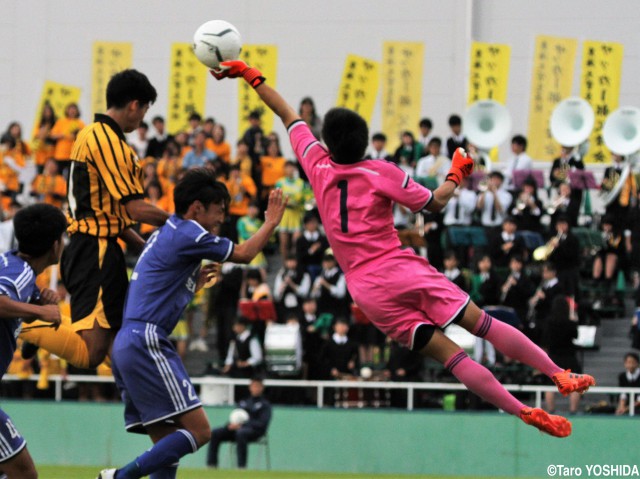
{"points": [[152, 380], [11, 441]]}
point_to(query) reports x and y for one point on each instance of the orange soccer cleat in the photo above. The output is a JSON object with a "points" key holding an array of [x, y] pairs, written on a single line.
{"points": [[569, 382], [557, 426]]}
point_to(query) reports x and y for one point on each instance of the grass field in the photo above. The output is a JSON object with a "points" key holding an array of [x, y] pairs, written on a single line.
{"points": [[70, 472]]}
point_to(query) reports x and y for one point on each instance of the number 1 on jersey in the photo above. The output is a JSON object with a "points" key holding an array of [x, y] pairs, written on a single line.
{"points": [[344, 218]]}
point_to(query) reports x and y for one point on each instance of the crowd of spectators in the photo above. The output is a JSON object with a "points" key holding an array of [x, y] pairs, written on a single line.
{"points": [[530, 248]]}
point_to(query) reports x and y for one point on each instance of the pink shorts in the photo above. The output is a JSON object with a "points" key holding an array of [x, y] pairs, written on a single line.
{"points": [[399, 294]]}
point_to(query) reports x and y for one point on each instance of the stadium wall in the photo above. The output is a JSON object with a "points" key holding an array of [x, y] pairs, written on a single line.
{"points": [[364, 441], [52, 40]]}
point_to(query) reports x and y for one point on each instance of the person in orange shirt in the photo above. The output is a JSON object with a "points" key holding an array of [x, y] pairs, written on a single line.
{"points": [[242, 190], [153, 194], [41, 142], [272, 167], [218, 145], [171, 162], [9, 171], [64, 133], [50, 186]]}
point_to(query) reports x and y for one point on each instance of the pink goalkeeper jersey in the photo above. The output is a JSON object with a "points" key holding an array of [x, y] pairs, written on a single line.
{"points": [[356, 201]]}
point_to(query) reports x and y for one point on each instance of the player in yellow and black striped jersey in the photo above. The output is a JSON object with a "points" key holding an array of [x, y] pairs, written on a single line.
{"points": [[105, 196]]}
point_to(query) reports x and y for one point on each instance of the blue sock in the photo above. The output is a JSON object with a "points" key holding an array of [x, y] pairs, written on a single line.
{"points": [[168, 472], [166, 452]]}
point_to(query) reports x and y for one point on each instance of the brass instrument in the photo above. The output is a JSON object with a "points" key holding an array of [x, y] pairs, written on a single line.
{"points": [[521, 202], [483, 185], [542, 253], [555, 204]]}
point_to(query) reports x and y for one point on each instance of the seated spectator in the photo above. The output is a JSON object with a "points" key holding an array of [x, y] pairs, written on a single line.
{"points": [[526, 207], [330, 287], [410, 149], [255, 287], [50, 187], [170, 162], [218, 145], [434, 164], [503, 245], [340, 354], [244, 357], [630, 378], [139, 140], [426, 127], [452, 272], [310, 246], [259, 409], [159, 139], [377, 149], [517, 289], [493, 203], [199, 156], [291, 287]]}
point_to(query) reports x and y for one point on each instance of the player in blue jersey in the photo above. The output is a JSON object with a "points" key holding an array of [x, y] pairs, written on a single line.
{"points": [[158, 395], [38, 229]]}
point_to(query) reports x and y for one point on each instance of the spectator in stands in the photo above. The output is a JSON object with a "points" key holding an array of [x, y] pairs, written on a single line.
{"points": [[541, 302], [139, 140], [50, 187], [272, 168], [608, 259], [159, 140], [568, 161], [526, 207], [632, 239], [434, 165], [294, 189], [505, 244], [291, 287], [8, 240], [199, 155], [218, 144], [457, 139], [315, 330], [13, 154], [425, 126], [311, 245], [253, 137], [259, 409], [170, 163], [517, 289], [630, 378], [493, 203], [460, 208], [618, 208], [563, 329], [404, 365], [254, 286], [308, 113], [377, 149], [195, 125], [409, 149], [225, 304], [566, 256], [64, 134], [244, 357], [42, 143], [330, 287], [520, 160], [153, 194], [565, 203], [246, 227], [452, 272], [340, 354], [485, 291], [242, 191]]}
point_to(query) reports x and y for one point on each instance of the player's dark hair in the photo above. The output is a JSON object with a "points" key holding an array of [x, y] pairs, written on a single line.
{"points": [[520, 140], [199, 184], [426, 122], [455, 120], [37, 227], [346, 135], [127, 86]]}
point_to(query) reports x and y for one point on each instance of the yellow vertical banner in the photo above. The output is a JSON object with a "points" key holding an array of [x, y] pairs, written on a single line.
{"points": [[359, 86], [265, 59], [402, 70], [109, 58], [58, 96], [489, 72], [551, 82], [187, 87], [600, 86]]}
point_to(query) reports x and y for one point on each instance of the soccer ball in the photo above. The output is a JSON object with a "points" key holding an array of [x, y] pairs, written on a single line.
{"points": [[238, 416], [216, 41]]}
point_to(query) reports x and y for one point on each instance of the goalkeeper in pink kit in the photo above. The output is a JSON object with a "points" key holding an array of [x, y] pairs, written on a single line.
{"points": [[400, 292]]}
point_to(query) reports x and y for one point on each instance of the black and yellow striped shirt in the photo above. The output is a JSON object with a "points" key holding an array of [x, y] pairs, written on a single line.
{"points": [[105, 174]]}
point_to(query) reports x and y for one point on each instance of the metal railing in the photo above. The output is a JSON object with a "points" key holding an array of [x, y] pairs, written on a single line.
{"points": [[226, 385]]}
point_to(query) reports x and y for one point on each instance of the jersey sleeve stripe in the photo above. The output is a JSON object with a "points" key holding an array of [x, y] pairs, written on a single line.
{"points": [[4, 291], [136, 196], [405, 181], [306, 150], [200, 236], [296, 123], [425, 205], [230, 252]]}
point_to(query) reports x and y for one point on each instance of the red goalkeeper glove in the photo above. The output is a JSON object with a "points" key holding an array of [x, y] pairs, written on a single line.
{"points": [[237, 68], [461, 166]]}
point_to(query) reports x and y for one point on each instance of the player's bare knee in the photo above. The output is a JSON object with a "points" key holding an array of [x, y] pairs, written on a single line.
{"points": [[202, 434]]}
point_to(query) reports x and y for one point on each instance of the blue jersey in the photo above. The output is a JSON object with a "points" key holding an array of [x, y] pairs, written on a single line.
{"points": [[18, 282], [164, 279]]}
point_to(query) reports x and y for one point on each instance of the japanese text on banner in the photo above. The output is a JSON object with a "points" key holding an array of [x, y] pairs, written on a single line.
{"points": [[109, 58], [187, 87], [265, 59], [552, 80], [489, 72], [402, 70], [600, 86], [58, 96], [359, 86]]}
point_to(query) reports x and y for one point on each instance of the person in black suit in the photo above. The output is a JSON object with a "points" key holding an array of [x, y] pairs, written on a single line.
{"points": [[340, 354], [404, 365], [259, 409], [526, 207], [457, 139], [452, 272], [504, 245], [565, 203], [566, 256], [540, 303], [517, 289], [629, 379], [561, 166], [310, 246], [377, 149]]}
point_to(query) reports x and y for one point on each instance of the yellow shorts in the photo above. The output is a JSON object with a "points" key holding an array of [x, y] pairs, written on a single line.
{"points": [[291, 221]]}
